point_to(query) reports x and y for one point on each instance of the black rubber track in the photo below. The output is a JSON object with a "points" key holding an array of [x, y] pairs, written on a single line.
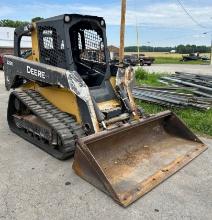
{"points": [[61, 123]]}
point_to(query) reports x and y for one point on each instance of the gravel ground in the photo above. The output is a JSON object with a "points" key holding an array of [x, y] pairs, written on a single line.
{"points": [[172, 68], [33, 185]]}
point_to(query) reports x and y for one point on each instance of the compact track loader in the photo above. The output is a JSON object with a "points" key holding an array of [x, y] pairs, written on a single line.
{"points": [[68, 99]]}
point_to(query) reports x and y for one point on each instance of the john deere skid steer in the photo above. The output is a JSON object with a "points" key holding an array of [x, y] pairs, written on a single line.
{"points": [[68, 99]]}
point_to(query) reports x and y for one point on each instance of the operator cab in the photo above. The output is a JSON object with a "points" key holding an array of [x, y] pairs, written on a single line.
{"points": [[75, 43], [88, 52]]}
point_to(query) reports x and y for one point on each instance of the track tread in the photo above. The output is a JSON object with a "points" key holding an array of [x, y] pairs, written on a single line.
{"points": [[62, 123]]}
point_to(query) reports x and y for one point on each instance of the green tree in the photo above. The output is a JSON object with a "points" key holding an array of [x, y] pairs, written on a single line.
{"points": [[12, 23], [182, 49], [36, 19]]}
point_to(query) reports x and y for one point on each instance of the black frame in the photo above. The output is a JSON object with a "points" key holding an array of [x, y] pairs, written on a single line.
{"points": [[18, 34], [63, 28]]}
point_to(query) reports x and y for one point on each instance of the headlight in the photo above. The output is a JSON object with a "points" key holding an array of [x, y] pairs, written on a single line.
{"points": [[67, 18], [102, 23]]}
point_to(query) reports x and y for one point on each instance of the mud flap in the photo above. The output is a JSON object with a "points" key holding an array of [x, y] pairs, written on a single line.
{"points": [[129, 161]]}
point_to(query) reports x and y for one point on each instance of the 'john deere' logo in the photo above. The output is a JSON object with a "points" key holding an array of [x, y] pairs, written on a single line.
{"points": [[36, 72]]}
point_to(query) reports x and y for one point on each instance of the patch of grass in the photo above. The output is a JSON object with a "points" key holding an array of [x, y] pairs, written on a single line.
{"points": [[164, 54], [167, 60], [143, 77], [175, 60], [198, 121]]}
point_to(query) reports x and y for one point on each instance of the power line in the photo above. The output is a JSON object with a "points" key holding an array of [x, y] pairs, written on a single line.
{"points": [[177, 36], [189, 15]]}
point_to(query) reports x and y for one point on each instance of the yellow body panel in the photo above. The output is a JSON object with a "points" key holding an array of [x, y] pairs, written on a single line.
{"points": [[113, 81], [35, 47], [63, 99], [111, 103], [108, 104], [30, 57]]}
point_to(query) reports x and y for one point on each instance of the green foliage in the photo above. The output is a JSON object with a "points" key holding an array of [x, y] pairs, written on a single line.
{"points": [[15, 24], [36, 19], [183, 49], [198, 121], [141, 74], [148, 49], [11, 23], [144, 77]]}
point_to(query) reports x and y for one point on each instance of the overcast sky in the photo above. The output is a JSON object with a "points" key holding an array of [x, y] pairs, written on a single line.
{"points": [[161, 22]]}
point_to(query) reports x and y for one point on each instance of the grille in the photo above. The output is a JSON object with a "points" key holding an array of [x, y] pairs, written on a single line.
{"points": [[51, 47], [93, 49]]}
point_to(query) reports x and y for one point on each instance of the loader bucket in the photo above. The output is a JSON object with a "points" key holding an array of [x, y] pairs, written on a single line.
{"points": [[129, 161]]}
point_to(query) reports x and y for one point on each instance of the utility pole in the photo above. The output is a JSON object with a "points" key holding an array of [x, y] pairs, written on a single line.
{"points": [[211, 43], [122, 31], [137, 36], [211, 48]]}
